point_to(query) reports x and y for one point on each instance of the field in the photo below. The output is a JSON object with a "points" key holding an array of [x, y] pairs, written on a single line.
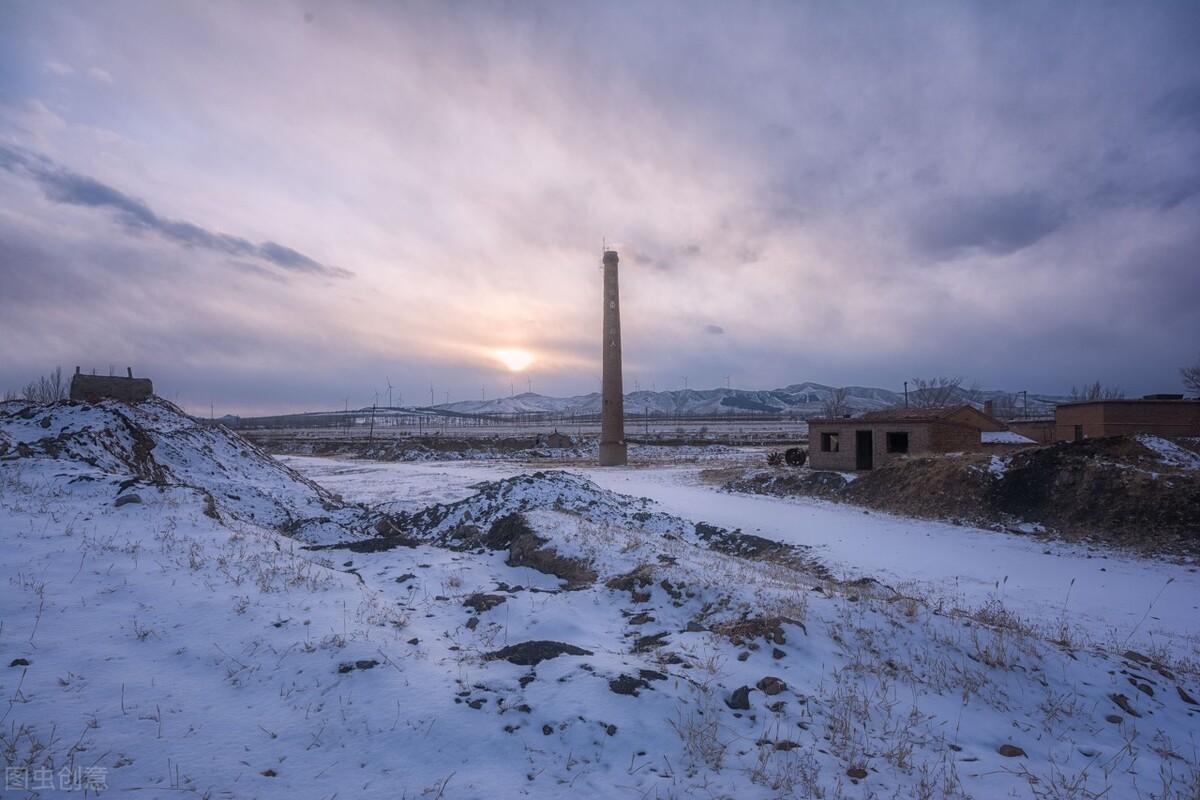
{"points": [[185, 615]]}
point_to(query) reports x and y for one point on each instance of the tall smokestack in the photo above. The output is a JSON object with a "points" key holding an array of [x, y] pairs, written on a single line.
{"points": [[612, 398]]}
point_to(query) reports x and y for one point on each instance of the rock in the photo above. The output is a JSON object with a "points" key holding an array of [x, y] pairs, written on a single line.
{"points": [[529, 550], [24, 662], [641, 618], [483, 602], [405, 578], [532, 653], [472, 623], [777, 654], [547, 730], [654, 640], [1010, 751], [1123, 702], [740, 699], [504, 530], [634, 579], [1185, 697], [627, 684], [857, 773], [1115, 719], [771, 685], [651, 675], [414, 640], [742, 656], [611, 730], [126, 499]]}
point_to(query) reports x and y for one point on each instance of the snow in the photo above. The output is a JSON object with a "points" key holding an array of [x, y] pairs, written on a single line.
{"points": [[957, 565], [1004, 437], [183, 651], [1169, 452]]}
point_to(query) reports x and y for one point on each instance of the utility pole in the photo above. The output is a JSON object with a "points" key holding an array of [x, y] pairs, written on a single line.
{"points": [[1025, 395], [906, 394], [685, 383], [431, 395], [726, 381], [529, 385]]}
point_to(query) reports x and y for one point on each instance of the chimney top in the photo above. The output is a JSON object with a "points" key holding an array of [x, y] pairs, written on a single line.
{"points": [[610, 257]]}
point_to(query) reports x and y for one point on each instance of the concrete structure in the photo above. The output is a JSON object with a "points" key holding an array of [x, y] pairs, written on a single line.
{"points": [[94, 388], [612, 392], [876, 438], [1157, 414]]}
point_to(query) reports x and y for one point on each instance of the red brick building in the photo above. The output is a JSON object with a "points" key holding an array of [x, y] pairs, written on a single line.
{"points": [[878, 437], [1093, 418]]}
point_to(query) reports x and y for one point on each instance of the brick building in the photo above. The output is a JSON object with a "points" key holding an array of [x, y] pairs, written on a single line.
{"points": [[878, 437], [1163, 415], [94, 388]]}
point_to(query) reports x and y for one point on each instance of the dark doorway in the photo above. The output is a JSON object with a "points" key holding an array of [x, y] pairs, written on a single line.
{"points": [[864, 450], [1079, 433]]}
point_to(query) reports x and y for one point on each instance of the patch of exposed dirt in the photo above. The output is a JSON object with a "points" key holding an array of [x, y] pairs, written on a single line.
{"points": [[1117, 490]]}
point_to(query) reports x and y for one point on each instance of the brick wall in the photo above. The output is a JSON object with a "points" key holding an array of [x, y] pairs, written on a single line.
{"points": [[1124, 417], [97, 387]]}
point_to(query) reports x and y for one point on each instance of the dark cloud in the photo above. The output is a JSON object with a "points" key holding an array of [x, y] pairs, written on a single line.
{"points": [[64, 186], [715, 330], [995, 224]]}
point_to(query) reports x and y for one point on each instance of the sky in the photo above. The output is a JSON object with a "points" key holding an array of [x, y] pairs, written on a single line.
{"points": [[276, 206]]}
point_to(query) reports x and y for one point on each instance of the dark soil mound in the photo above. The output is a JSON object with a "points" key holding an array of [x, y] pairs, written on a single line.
{"points": [[1116, 489]]}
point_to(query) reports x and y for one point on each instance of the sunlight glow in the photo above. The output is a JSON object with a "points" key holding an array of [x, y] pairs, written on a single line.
{"points": [[515, 360]]}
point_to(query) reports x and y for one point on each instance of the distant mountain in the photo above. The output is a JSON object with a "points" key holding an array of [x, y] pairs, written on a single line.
{"points": [[801, 399]]}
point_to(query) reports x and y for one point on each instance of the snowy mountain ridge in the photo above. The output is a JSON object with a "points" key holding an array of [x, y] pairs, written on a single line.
{"points": [[801, 399]]}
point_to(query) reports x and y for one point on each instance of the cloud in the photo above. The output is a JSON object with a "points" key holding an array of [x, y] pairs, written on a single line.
{"points": [[100, 75], [996, 224], [58, 68], [64, 186], [715, 330]]}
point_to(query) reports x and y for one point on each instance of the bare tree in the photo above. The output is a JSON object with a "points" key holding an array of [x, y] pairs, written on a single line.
{"points": [[835, 405], [1006, 406], [938, 392], [1097, 391], [46, 389], [1191, 376]]}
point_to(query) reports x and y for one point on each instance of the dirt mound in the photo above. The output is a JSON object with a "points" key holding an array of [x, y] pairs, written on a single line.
{"points": [[155, 444], [1141, 492], [492, 519]]}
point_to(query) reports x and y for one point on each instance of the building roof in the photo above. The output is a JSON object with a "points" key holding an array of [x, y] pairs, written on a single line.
{"points": [[1136, 401]]}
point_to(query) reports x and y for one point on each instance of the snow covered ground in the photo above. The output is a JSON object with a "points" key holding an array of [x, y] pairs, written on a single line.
{"points": [[203, 640], [1107, 596]]}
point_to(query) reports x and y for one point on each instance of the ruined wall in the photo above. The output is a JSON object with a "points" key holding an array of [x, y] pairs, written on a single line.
{"points": [[93, 388]]}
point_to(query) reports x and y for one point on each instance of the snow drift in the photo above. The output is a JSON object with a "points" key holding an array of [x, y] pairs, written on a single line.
{"points": [[153, 445]]}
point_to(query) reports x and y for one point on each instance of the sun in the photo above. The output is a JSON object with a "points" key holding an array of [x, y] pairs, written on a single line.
{"points": [[514, 359]]}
